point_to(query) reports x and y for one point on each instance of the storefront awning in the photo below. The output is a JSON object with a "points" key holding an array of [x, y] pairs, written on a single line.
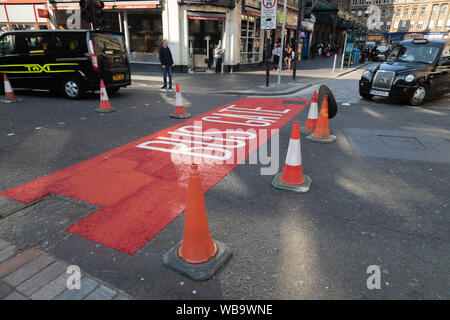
{"points": [[146, 4], [217, 3]]}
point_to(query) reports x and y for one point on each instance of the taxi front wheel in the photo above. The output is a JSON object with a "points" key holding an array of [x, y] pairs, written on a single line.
{"points": [[73, 88], [419, 95]]}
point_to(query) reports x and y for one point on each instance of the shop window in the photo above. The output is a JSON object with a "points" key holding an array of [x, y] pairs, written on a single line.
{"points": [[146, 36], [250, 39], [4, 27], [23, 26]]}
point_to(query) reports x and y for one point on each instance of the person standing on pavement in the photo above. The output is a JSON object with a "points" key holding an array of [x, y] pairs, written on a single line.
{"points": [[165, 57], [218, 57], [276, 56]]}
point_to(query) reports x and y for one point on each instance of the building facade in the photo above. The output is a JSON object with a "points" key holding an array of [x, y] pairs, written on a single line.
{"points": [[192, 27], [403, 19]]}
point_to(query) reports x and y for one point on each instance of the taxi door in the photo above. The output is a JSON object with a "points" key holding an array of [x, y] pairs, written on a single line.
{"points": [[38, 59]]}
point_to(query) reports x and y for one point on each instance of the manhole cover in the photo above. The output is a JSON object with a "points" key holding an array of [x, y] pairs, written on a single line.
{"points": [[401, 142]]}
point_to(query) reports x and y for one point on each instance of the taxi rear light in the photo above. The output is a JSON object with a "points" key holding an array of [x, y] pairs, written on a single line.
{"points": [[94, 58]]}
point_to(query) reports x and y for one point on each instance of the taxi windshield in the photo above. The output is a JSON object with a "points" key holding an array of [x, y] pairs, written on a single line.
{"points": [[418, 53]]}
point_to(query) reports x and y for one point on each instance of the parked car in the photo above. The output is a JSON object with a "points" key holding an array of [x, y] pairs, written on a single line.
{"points": [[68, 61], [417, 70], [381, 53]]}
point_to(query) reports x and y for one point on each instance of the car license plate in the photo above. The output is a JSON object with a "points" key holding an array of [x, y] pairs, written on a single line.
{"points": [[380, 93], [118, 77]]}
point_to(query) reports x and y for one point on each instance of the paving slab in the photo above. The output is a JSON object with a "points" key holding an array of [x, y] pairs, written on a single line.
{"points": [[18, 261], [42, 278], [87, 285], [41, 220], [52, 289], [9, 206], [28, 270]]}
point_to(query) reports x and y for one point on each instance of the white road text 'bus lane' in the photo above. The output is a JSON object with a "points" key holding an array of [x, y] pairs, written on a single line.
{"points": [[220, 145]]}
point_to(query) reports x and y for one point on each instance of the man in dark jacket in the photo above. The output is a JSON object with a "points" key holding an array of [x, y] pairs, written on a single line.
{"points": [[165, 57]]}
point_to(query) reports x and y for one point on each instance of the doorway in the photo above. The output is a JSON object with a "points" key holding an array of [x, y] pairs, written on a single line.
{"points": [[205, 33]]}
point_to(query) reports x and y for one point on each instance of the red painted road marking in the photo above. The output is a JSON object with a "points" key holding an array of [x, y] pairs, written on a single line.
{"points": [[141, 186]]}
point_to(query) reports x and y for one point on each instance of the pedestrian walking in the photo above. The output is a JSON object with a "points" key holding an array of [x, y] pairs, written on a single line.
{"points": [[165, 57], [218, 53]]}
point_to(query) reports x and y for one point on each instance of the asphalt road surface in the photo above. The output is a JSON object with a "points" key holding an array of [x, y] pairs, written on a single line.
{"points": [[379, 196]]}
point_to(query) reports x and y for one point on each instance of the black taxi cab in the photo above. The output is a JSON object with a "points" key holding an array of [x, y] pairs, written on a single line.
{"points": [[417, 70], [68, 61]]}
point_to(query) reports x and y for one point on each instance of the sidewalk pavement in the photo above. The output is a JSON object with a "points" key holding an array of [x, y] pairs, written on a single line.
{"points": [[33, 274], [309, 72]]}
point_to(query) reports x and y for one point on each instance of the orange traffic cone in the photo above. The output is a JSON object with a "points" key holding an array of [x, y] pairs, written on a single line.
{"points": [[199, 256], [9, 93], [180, 112], [105, 106], [292, 177], [322, 132], [312, 116]]}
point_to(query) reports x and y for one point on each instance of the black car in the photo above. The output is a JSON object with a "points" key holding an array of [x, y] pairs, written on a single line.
{"points": [[381, 53], [416, 69], [68, 61]]}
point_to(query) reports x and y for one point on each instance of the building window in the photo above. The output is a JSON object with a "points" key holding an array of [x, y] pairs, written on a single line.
{"points": [[395, 25], [422, 11], [359, 13], [391, 12], [434, 11], [388, 25], [368, 1], [431, 24], [366, 13], [414, 12], [411, 25], [419, 25], [250, 39], [406, 12], [439, 24], [353, 11], [443, 9], [448, 24], [383, 12], [399, 11], [355, 2], [404, 23]]}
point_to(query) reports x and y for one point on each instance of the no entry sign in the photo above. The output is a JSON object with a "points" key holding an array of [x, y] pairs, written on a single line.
{"points": [[269, 14]]}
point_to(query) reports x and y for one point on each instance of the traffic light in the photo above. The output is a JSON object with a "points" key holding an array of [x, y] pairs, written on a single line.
{"points": [[86, 10], [92, 11], [98, 12]]}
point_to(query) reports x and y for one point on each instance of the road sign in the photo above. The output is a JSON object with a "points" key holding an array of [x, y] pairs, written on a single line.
{"points": [[269, 14]]}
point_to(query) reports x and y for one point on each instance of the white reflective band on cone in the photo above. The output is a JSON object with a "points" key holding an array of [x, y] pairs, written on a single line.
{"points": [[294, 154], [313, 111], [8, 87], [178, 99]]}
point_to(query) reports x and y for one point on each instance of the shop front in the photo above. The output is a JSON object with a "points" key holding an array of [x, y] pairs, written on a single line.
{"points": [[205, 34], [23, 15], [140, 21]]}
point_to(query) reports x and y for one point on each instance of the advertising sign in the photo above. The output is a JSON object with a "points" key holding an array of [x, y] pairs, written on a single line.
{"points": [[269, 14]]}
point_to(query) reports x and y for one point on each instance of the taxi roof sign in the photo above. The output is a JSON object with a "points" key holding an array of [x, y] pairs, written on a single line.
{"points": [[420, 40]]}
